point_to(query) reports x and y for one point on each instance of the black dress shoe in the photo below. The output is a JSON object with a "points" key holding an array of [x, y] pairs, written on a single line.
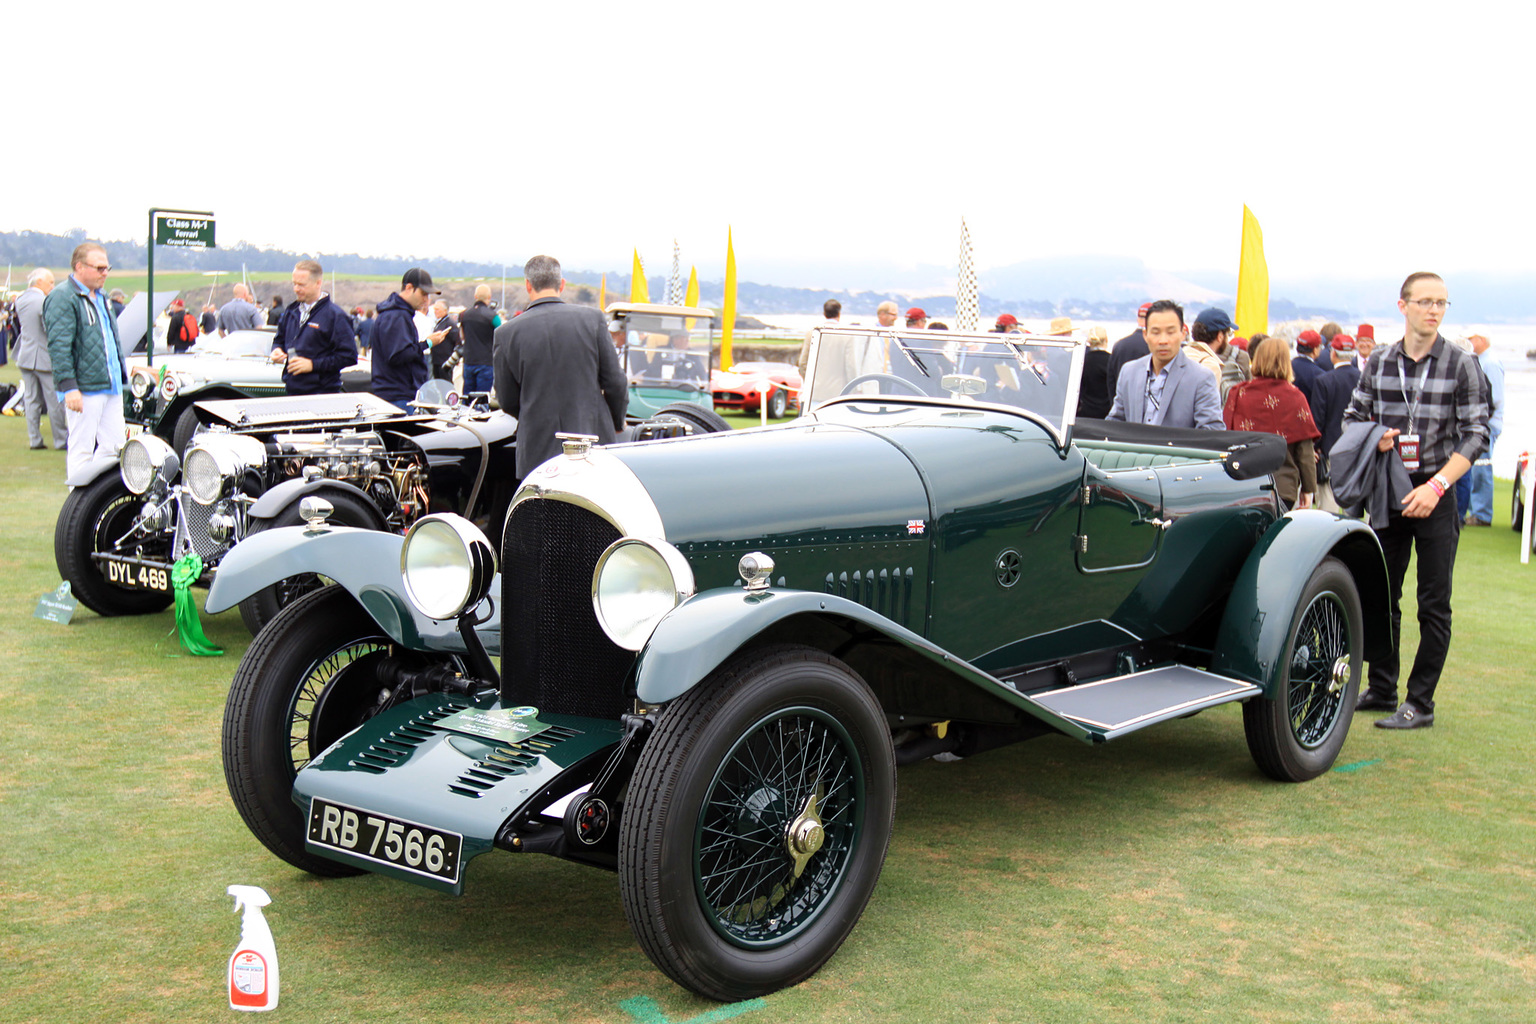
{"points": [[1407, 717], [37, 447], [1373, 702]]}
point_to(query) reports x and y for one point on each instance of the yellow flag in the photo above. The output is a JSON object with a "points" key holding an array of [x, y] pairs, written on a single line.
{"points": [[691, 297], [728, 307], [1252, 280], [638, 292], [602, 294]]}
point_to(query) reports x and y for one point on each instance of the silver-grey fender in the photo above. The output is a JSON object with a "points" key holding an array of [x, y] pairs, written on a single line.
{"points": [[364, 562], [91, 470], [698, 635]]}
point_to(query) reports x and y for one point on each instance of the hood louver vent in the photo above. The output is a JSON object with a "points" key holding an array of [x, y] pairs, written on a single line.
{"points": [[887, 591], [401, 742], [509, 760]]}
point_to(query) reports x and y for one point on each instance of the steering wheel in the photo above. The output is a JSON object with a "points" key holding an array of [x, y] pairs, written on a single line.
{"points": [[887, 378]]}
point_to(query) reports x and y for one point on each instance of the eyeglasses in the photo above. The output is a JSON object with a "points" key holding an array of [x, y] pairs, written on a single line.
{"points": [[101, 269], [1430, 303]]}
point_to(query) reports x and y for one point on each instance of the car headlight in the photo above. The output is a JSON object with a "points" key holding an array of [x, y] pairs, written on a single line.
{"points": [[447, 564], [636, 583], [216, 465], [170, 387], [145, 458], [141, 383]]}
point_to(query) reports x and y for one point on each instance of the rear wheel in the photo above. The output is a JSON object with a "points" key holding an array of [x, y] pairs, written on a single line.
{"points": [[1298, 735], [262, 607], [756, 823], [302, 685], [93, 519], [702, 420], [181, 435]]}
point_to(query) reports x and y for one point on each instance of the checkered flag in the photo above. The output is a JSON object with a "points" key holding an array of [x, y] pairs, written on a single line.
{"points": [[966, 308], [675, 282]]}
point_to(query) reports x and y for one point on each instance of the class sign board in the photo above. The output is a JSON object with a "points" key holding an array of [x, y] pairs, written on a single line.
{"points": [[183, 232]]}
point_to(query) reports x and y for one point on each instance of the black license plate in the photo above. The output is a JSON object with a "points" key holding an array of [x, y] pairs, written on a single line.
{"points": [[406, 845], [137, 575]]}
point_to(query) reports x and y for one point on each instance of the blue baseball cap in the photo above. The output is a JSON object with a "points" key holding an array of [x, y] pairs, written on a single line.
{"points": [[1216, 319]]}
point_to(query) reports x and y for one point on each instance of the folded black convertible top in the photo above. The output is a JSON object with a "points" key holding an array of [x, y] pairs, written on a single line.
{"points": [[1249, 453]]}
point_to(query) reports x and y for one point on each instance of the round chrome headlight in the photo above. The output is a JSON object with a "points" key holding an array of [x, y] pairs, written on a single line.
{"points": [[216, 465], [447, 564], [636, 583], [141, 383], [144, 458]]}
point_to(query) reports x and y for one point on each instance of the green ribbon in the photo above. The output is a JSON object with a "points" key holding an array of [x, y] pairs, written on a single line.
{"points": [[187, 570]]}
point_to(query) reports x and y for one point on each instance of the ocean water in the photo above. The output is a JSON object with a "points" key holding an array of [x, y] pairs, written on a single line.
{"points": [[1510, 344]]}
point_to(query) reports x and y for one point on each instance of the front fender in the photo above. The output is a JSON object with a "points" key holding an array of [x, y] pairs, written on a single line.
{"points": [[1256, 625], [289, 491], [365, 562], [91, 470], [701, 633]]}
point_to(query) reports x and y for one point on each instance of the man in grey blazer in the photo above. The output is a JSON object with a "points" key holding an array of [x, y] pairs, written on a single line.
{"points": [[38, 395], [556, 369], [1167, 387]]}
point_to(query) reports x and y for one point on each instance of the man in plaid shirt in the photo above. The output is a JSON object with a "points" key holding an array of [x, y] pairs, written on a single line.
{"points": [[1429, 396]]}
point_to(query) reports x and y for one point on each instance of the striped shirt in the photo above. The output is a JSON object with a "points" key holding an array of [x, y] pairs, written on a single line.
{"points": [[1440, 398]]}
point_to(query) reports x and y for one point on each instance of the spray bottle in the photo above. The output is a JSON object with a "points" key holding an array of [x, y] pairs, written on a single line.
{"points": [[253, 967]]}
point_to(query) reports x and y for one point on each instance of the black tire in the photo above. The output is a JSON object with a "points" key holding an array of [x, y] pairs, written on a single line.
{"points": [[262, 607], [736, 759], [92, 517], [303, 684], [778, 404], [702, 420], [181, 435], [1298, 735], [1516, 509]]}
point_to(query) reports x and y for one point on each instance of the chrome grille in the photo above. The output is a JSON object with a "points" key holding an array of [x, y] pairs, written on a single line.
{"points": [[555, 656], [192, 527]]}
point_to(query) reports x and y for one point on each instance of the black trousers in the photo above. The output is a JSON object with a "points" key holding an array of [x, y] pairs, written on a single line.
{"points": [[1434, 538]]}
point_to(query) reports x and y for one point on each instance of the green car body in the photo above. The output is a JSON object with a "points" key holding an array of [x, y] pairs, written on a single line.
{"points": [[968, 572]]}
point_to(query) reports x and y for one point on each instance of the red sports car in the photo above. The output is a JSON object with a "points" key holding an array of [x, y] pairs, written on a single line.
{"points": [[746, 386]]}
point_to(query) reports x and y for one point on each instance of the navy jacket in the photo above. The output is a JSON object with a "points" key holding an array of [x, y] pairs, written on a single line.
{"points": [[1330, 397], [1365, 477], [399, 361], [1307, 373], [326, 340]]}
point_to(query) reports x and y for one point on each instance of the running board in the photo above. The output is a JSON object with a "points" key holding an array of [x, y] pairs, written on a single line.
{"points": [[1113, 707]]}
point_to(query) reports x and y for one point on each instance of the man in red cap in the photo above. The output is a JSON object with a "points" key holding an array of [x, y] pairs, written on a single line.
{"points": [[1006, 324], [1132, 346], [917, 320], [1365, 342], [1304, 365]]}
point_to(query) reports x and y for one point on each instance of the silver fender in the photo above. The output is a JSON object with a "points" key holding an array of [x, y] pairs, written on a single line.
{"points": [[698, 635], [289, 491], [364, 562]]}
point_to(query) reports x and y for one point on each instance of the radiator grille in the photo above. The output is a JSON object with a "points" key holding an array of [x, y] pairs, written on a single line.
{"points": [[192, 524], [555, 656]]}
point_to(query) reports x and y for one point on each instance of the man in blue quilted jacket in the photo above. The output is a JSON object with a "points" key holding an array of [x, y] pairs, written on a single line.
{"points": [[88, 362]]}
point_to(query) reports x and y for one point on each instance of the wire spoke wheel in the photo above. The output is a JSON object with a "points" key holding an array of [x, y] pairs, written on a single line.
{"points": [[745, 871], [1296, 732]]}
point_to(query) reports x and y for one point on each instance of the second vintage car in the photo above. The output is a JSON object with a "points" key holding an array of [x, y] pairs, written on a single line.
{"points": [[706, 684]]}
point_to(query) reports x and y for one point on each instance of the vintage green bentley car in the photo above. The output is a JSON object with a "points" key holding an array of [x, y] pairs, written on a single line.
{"points": [[708, 679]]}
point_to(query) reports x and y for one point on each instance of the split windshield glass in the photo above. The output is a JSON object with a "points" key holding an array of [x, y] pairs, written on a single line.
{"points": [[664, 350]]}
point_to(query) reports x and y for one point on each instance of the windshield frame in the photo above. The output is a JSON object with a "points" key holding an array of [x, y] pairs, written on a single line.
{"points": [[908, 340]]}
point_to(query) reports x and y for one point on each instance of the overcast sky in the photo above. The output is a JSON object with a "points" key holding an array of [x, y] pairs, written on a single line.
{"points": [[1367, 138]]}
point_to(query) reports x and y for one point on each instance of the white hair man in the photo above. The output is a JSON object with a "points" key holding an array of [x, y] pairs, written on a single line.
{"points": [[36, 368]]}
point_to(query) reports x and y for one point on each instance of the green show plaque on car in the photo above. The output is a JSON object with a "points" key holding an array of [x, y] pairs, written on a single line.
{"points": [[507, 725]]}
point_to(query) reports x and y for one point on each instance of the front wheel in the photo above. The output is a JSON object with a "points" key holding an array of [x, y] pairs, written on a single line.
{"points": [[303, 684], [757, 822], [1298, 735], [262, 607], [699, 419], [778, 404], [94, 518]]}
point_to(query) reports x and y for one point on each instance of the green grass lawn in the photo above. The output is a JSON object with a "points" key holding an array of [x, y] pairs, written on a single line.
{"points": [[1156, 878]]}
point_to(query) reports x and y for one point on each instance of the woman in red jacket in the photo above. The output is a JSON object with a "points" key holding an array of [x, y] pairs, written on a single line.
{"points": [[1272, 404]]}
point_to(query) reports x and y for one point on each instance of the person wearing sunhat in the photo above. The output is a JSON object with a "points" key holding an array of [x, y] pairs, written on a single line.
{"points": [[399, 361], [917, 320]]}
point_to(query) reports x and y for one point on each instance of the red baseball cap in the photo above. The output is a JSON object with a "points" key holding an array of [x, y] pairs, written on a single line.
{"points": [[1308, 339], [1343, 343], [1007, 320], [916, 313]]}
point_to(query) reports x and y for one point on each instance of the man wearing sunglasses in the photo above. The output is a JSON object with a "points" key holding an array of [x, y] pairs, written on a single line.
{"points": [[88, 360]]}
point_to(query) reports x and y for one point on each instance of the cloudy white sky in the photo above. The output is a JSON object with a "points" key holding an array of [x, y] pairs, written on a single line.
{"points": [[1368, 138]]}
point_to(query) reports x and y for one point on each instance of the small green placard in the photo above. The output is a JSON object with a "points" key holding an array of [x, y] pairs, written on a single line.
{"points": [[178, 231], [58, 606], [506, 725]]}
